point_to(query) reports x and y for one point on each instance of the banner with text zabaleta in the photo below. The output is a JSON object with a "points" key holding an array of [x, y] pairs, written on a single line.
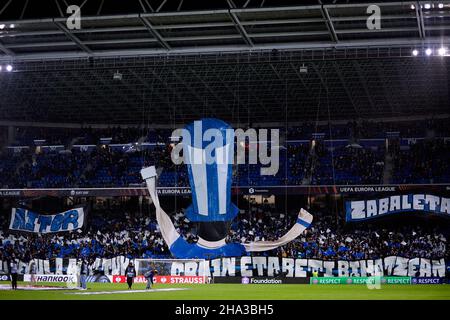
{"points": [[358, 210], [29, 221]]}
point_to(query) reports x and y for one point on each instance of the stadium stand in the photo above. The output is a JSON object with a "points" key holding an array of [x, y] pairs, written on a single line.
{"points": [[92, 194], [119, 231], [352, 153]]}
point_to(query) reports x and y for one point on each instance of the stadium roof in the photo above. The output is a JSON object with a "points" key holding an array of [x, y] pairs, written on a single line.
{"points": [[238, 60], [151, 27]]}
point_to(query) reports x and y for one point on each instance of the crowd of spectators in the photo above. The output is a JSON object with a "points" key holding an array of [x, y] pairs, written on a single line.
{"points": [[351, 164], [110, 233], [426, 161], [304, 158], [105, 236], [325, 240], [101, 167], [329, 238]]}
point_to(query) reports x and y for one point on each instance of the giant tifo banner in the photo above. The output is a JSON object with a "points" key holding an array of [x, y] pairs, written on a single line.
{"points": [[29, 221], [368, 209], [249, 266]]}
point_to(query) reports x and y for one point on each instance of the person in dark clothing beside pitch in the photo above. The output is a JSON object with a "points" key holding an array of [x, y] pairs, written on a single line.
{"points": [[84, 270], [130, 272], [149, 277], [13, 272]]}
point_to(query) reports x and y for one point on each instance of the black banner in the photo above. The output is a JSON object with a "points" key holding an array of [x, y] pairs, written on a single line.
{"points": [[236, 190]]}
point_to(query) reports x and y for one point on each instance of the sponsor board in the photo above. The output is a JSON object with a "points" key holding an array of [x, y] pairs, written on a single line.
{"points": [[261, 280], [123, 279], [51, 278], [367, 189], [428, 280], [161, 279], [241, 189], [4, 277], [327, 280], [11, 193], [396, 280], [265, 281], [79, 193], [360, 280], [174, 191]]}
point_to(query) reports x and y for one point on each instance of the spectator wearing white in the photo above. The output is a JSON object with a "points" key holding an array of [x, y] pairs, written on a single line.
{"points": [[32, 271]]}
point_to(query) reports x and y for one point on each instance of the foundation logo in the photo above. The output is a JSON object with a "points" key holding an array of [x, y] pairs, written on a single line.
{"points": [[266, 281]]}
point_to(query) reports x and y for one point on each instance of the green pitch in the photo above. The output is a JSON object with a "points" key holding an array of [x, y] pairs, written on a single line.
{"points": [[237, 292]]}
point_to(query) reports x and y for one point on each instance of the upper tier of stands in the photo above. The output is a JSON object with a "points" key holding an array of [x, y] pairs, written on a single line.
{"points": [[325, 154]]}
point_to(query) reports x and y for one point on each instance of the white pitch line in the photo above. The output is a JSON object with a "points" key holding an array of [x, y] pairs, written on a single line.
{"points": [[38, 288], [127, 291]]}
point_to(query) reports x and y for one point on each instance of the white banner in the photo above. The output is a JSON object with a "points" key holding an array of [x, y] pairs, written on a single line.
{"points": [[366, 209], [248, 266], [29, 221]]}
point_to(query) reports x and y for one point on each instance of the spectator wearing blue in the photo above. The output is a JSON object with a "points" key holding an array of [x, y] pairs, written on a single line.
{"points": [[149, 277]]}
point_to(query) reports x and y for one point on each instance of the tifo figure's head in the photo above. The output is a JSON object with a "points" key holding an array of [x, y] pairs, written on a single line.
{"points": [[208, 149]]}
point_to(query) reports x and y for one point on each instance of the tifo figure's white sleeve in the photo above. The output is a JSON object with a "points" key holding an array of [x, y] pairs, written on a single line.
{"points": [[168, 231], [304, 219], [170, 234]]}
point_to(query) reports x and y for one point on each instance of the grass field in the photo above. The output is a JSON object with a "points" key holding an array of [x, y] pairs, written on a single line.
{"points": [[238, 292]]}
